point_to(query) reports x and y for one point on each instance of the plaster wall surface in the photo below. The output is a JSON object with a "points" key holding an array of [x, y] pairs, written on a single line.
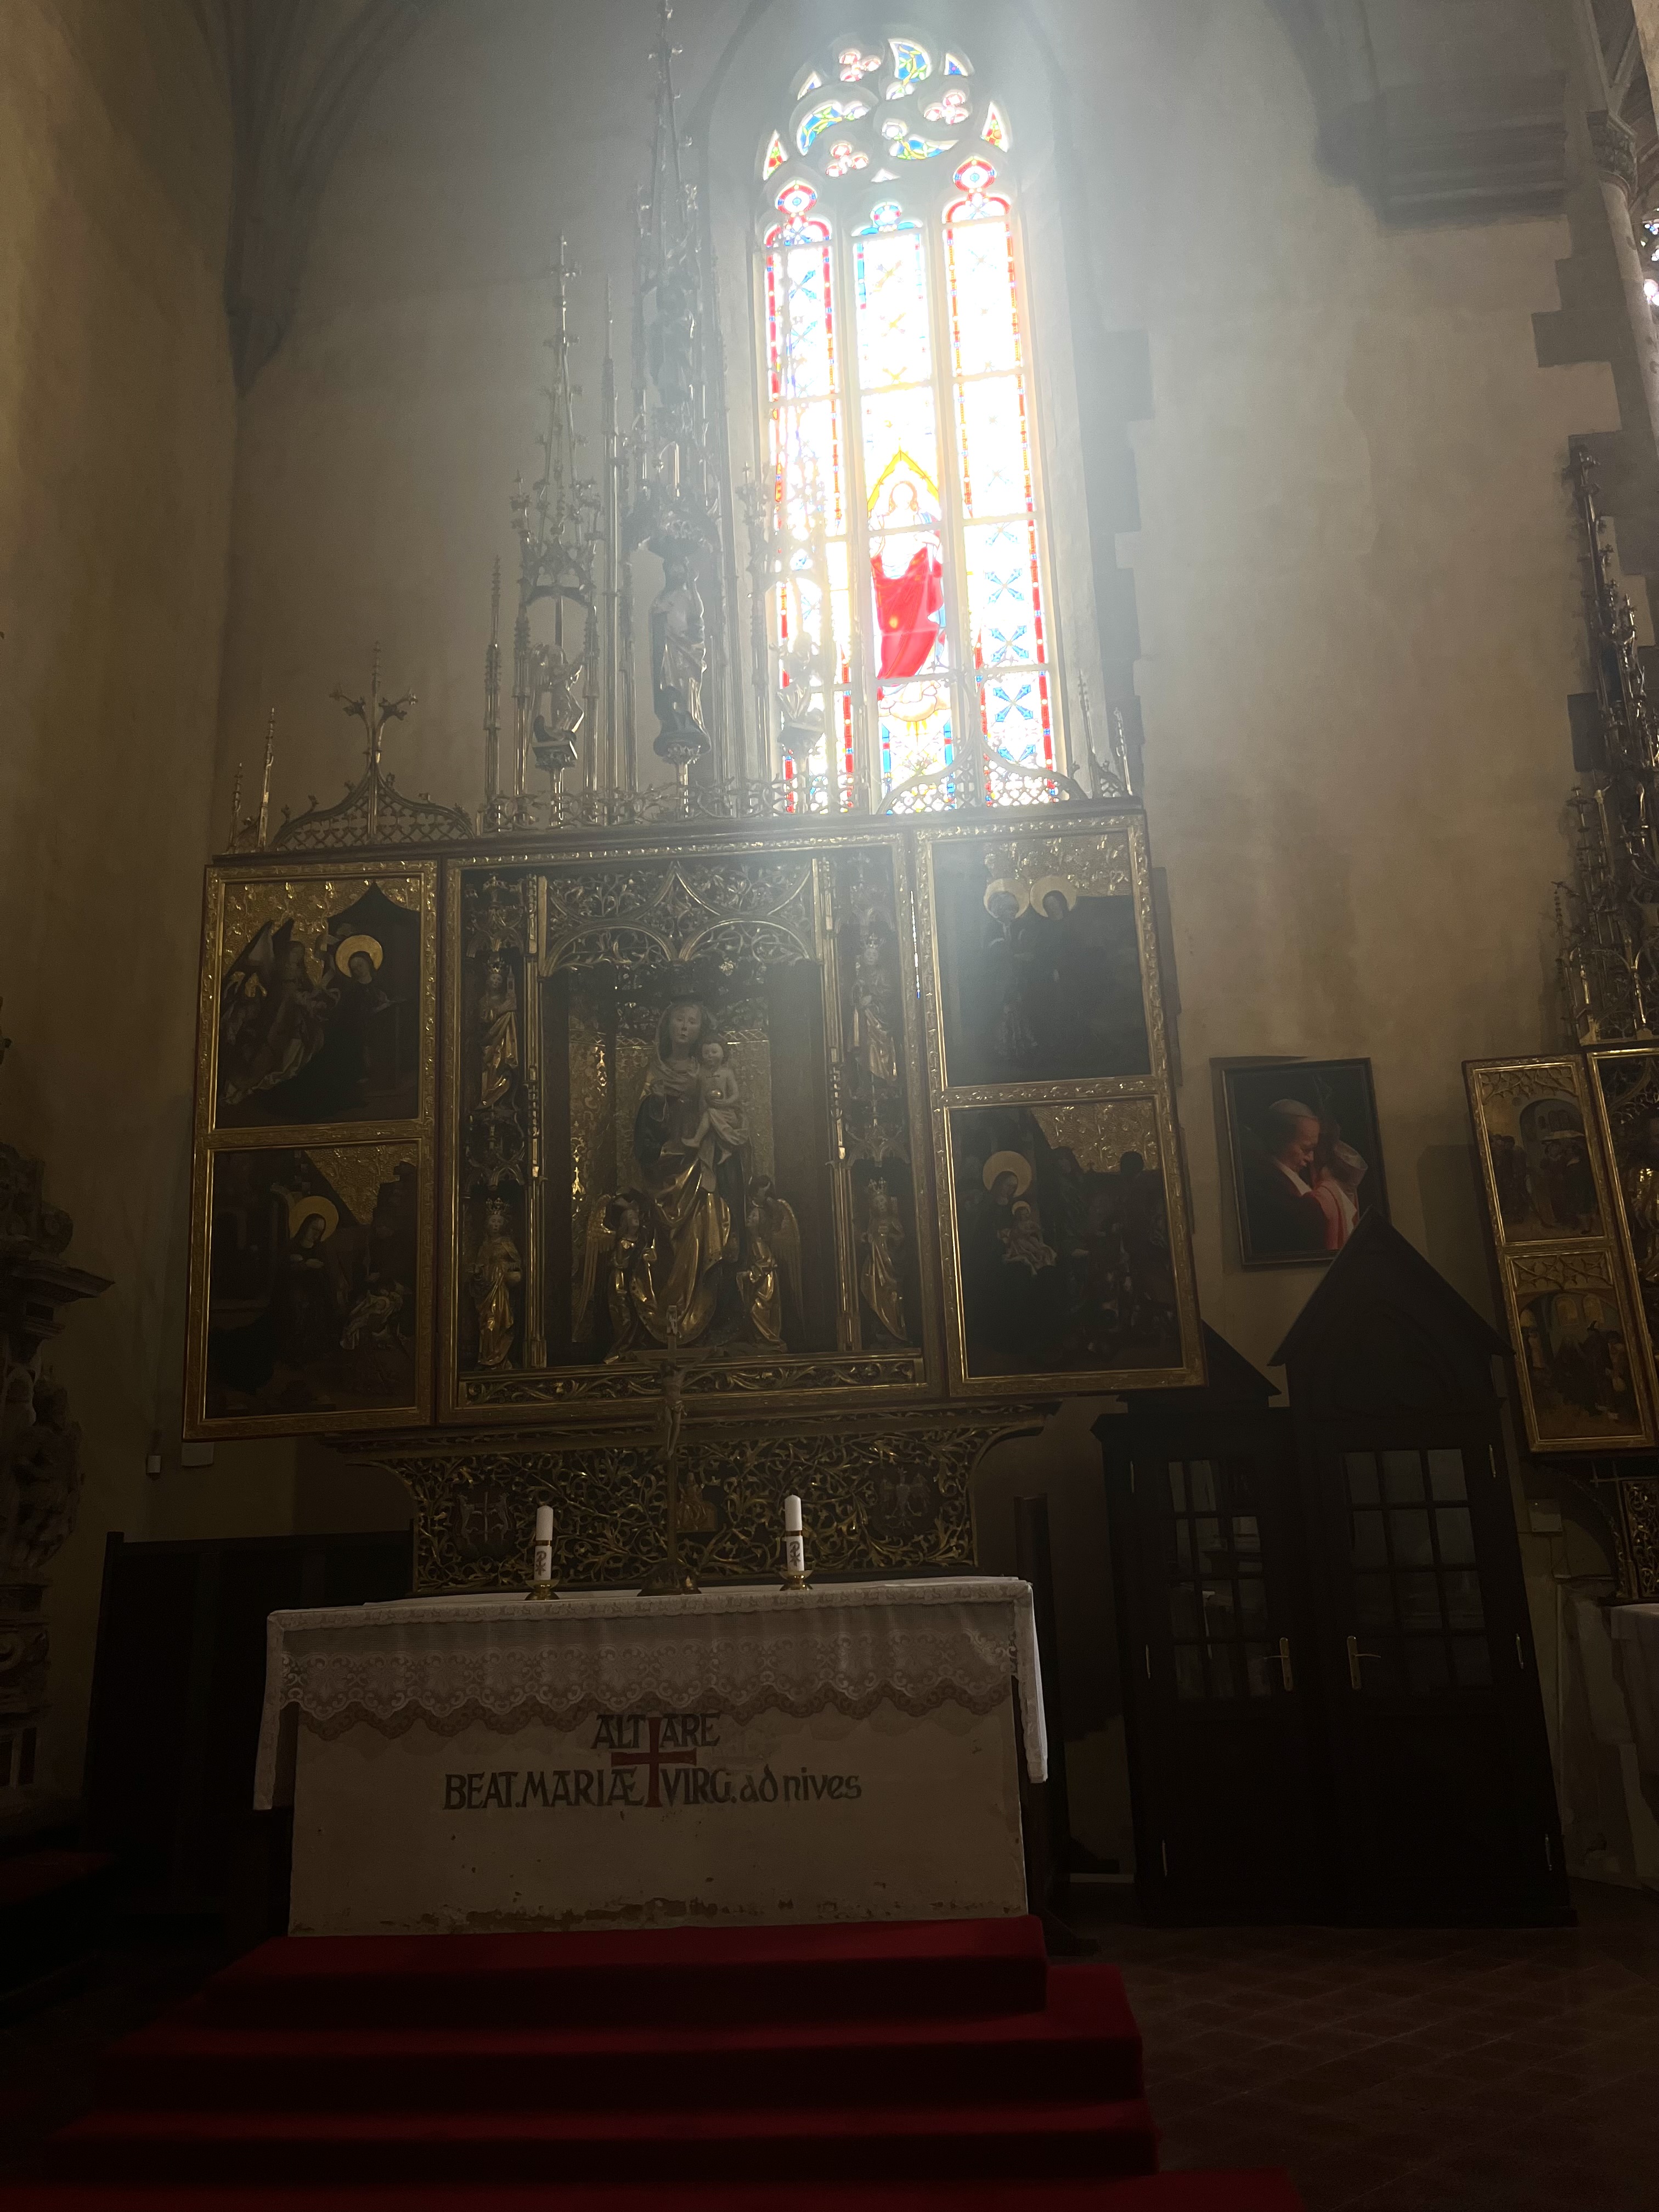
{"points": [[116, 446], [1360, 608]]}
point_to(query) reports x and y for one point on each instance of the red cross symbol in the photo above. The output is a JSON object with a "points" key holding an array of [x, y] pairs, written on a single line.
{"points": [[656, 1759]]}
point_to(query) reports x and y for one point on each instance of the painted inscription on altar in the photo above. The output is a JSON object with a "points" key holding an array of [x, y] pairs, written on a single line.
{"points": [[652, 1761]]}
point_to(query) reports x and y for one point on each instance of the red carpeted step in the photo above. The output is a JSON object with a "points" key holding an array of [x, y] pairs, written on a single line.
{"points": [[864, 1969], [1083, 2046], [1265, 2191], [897, 2143]]}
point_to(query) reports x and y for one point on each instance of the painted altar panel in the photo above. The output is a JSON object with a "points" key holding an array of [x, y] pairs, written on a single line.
{"points": [[682, 1083], [1068, 1254], [1562, 1249], [312, 1271]]}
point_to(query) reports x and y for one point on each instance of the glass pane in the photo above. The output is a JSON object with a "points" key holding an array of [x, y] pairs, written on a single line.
{"points": [[894, 335], [1408, 1533], [1455, 1536], [1201, 1476], [916, 734], [1419, 1600], [1178, 1484], [1373, 1601], [1004, 608], [1369, 1549], [1207, 1538], [1246, 1536], [1189, 1670], [1227, 1671], [1361, 1477], [1472, 1660], [1446, 1475], [1184, 1619], [1014, 710], [1252, 1606], [1219, 1615], [1461, 1593], [1402, 1478], [985, 324], [1261, 1667], [1427, 1667], [996, 475]]}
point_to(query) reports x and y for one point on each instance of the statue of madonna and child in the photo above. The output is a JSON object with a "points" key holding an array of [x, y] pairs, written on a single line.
{"points": [[696, 1252]]}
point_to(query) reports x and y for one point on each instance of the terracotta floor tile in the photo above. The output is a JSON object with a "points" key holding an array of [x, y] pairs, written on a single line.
{"points": [[1413, 2070]]}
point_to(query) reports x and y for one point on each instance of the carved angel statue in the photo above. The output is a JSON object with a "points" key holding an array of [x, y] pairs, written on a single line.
{"points": [[878, 1247], [614, 1230], [496, 1272], [498, 1024], [773, 1249]]}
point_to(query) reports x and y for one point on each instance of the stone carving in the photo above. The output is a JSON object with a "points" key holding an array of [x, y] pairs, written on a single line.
{"points": [[40, 1471]]}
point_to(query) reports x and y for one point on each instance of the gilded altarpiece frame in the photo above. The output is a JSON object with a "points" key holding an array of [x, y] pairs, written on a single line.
{"points": [[1561, 1237], [1067, 1260], [682, 1081], [312, 1215]]}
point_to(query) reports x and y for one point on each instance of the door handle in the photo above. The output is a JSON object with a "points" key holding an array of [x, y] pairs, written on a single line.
{"points": [[1285, 1662], [1356, 1680]]}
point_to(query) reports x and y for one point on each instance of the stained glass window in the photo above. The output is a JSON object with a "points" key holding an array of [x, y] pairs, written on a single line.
{"points": [[909, 608]]}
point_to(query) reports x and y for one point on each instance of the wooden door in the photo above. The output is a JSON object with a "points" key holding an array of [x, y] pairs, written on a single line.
{"points": [[1231, 1812], [1445, 1803]]}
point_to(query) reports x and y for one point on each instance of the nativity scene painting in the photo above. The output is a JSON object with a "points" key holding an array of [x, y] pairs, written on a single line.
{"points": [[1068, 1260], [315, 1301], [319, 1007]]}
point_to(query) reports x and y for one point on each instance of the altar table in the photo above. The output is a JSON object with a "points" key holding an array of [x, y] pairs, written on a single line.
{"points": [[741, 1756]]}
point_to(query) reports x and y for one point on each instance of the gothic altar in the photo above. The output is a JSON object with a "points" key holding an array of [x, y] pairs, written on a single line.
{"points": [[741, 1756], [725, 1100]]}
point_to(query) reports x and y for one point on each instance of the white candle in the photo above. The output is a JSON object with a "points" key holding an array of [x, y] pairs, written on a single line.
{"points": [[795, 1544], [542, 1570], [544, 1524]]}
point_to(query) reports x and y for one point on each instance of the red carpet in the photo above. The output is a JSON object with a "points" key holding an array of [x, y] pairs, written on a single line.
{"points": [[917, 2065]]}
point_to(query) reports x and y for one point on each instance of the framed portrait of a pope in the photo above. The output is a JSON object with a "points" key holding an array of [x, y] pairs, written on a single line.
{"points": [[1306, 1156]]}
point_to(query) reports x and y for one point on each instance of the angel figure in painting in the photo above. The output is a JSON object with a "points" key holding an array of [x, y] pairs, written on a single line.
{"points": [[773, 1252], [273, 1015], [496, 1272], [878, 1247], [498, 1027]]}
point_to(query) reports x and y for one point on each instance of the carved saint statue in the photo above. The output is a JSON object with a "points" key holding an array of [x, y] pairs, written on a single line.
{"points": [[878, 1248], [872, 1033], [679, 663], [496, 1272], [1641, 1181], [498, 1024], [773, 1252]]}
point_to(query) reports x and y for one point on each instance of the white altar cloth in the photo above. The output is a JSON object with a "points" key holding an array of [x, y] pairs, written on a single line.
{"points": [[508, 1661], [744, 1756]]}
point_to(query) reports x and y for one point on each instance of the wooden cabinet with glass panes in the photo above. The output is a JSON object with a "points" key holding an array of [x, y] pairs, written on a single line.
{"points": [[1332, 1701]]}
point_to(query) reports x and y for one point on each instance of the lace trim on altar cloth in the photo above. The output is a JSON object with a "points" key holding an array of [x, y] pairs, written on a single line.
{"points": [[453, 1664]]}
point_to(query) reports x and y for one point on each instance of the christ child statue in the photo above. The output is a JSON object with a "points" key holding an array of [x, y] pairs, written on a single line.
{"points": [[721, 1123]]}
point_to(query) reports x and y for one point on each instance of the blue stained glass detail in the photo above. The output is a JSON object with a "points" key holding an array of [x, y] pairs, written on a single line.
{"points": [[818, 119], [911, 62]]}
